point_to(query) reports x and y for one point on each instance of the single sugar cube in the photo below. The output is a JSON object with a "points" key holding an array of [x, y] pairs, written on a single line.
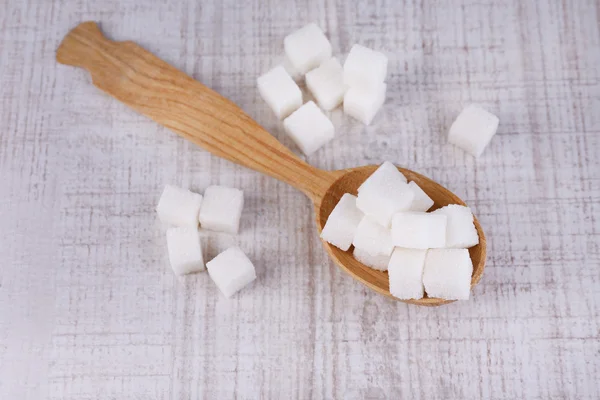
{"points": [[447, 274], [185, 253], [365, 67], [289, 68], [280, 92], [231, 271], [378, 262], [309, 128], [326, 83], [384, 195], [419, 230], [405, 271], [307, 48], [460, 230], [383, 173], [373, 238], [473, 129], [221, 209], [179, 207], [341, 224], [421, 201], [363, 104]]}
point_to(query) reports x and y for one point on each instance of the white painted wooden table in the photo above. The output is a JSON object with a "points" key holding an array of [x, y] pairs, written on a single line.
{"points": [[89, 308]]}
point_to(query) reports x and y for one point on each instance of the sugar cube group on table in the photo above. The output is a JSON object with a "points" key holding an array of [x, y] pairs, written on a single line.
{"points": [[220, 210]]}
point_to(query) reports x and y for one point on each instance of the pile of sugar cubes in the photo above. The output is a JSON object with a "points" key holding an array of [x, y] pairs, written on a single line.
{"points": [[359, 84], [220, 209], [391, 230]]}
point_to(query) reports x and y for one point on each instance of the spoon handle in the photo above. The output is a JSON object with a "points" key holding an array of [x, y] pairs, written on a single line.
{"points": [[165, 94]]}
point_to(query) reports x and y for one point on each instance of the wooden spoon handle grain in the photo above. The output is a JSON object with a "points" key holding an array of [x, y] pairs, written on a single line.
{"points": [[160, 91]]}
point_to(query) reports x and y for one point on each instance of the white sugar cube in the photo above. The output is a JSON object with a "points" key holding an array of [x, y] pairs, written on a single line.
{"points": [[373, 238], [341, 224], [421, 201], [309, 128], [280, 92], [185, 253], [460, 230], [378, 262], [365, 67], [326, 83], [386, 171], [179, 206], [221, 209], [289, 68], [447, 274], [405, 270], [419, 230], [307, 48], [231, 271], [384, 194], [364, 103], [473, 129]]}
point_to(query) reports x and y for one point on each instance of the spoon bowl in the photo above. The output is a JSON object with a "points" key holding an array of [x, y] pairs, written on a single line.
{"points": [[167, 95], [348, 182]]}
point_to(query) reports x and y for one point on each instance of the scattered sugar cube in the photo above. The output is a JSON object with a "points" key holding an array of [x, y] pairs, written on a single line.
{"points": [[185, 253], [473, 129], [231, 271], [460, 230], [309, 128], [179, 206], [421, 201], [280, 92], [378, 262], [307, 48], [419, 230], [363, 104], [365, 67], [326, 83], [447, 274], [406, 273], [385, 170], [383, 194], [289, 68], [341, 224], [221, 209], [373, 238]]}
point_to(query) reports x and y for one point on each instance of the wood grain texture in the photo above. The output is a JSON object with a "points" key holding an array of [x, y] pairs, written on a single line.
{"points": [[90, 310]]}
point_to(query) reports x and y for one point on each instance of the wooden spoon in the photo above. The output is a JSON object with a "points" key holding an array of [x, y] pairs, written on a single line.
{"points": [[160, 91]]}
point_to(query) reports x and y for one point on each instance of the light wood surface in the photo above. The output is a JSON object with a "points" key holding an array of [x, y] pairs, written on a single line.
{"points": [[170, 97], [89, 308]]}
